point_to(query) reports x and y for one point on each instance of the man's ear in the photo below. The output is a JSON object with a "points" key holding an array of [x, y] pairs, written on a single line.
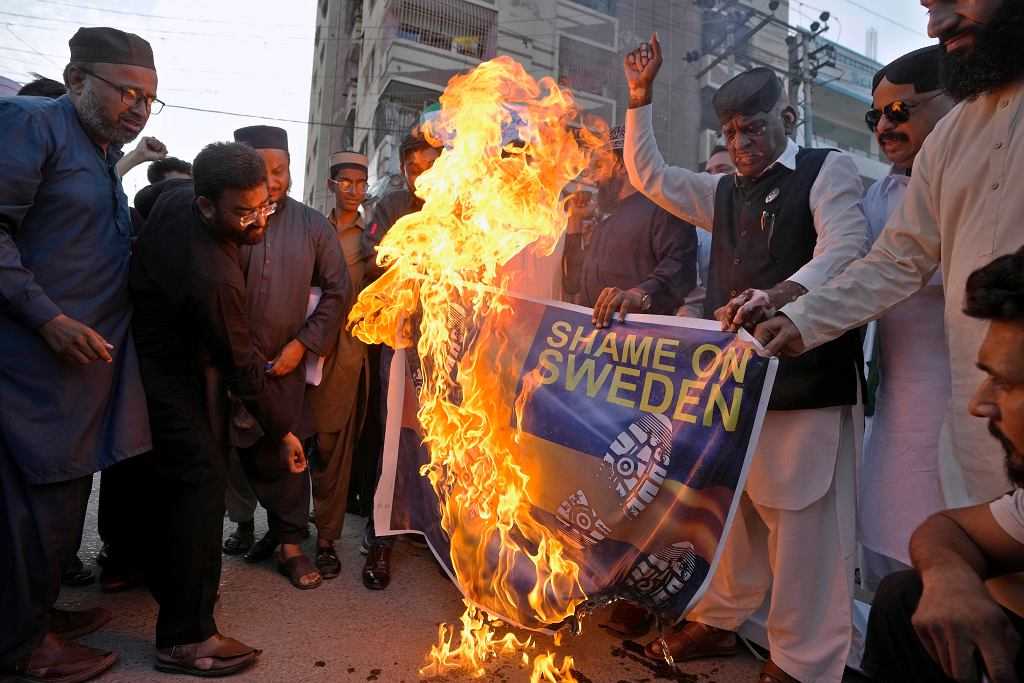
{"points": [[206, 208], [789, 119], [74, 79]]}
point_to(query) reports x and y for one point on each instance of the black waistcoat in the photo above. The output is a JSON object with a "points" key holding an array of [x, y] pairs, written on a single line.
{"points": [[764, 233]]}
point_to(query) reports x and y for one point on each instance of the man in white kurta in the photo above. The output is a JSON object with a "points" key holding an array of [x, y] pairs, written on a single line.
{"points": [[899, 484], [793, 538], [962, 208]]}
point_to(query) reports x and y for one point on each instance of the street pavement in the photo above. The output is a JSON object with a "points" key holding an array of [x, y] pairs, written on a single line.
{"points": [[343, 632]]}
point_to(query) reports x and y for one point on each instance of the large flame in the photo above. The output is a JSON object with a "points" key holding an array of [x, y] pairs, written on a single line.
{"points": [[510, 149]]}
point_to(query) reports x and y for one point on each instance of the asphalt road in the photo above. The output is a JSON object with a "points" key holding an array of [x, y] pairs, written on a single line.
{"points": [[343, 632]]}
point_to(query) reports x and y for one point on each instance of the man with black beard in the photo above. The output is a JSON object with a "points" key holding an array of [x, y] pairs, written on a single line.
{"points": [[640, 258], [71, 398], [962, 207], [939, 621], [196, 345]]}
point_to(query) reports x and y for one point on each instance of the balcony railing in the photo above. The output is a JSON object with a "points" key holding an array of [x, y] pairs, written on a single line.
{"points": [[450, 25]]}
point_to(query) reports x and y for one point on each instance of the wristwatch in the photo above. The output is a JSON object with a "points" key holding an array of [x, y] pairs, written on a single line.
{"points": [[645, 302]]}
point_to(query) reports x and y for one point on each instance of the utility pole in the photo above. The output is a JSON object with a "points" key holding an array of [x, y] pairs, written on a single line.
{"points": [[806, 58]]}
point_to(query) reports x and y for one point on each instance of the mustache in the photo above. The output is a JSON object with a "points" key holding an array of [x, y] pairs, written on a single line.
{"points": [[893, 136]]}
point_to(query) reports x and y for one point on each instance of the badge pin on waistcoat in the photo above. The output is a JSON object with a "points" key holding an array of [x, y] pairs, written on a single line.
{"points": [[772, 196], [768, 219]]}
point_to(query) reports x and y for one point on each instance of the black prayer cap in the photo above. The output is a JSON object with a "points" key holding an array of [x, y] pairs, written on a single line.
{"points": [[752, 92], [263, 137], [110, 46], [921, 68]]}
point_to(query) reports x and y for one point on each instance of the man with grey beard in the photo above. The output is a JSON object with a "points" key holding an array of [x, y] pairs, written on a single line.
{"points": [[961, 209], [71, 397]]}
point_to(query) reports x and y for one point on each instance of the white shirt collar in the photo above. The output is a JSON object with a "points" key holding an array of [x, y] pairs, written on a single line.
{"points": [[787, 158]]}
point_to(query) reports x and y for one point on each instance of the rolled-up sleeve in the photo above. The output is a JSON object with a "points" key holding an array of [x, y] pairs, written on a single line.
{"points": [[683, 193], [902, 260], [835, 203], [27, 144]]}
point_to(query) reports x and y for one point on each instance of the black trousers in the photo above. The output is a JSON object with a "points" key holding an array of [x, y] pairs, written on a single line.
{"points": [[893, 652], [283, 494], [183, 479], [39, 527], [121, 500]]}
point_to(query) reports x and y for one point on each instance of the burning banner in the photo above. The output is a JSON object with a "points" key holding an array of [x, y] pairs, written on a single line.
{"points": [[633, 440], [548, 463]]}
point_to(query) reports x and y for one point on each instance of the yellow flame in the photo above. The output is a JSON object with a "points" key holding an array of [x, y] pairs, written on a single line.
{"points": [[485, 200]]}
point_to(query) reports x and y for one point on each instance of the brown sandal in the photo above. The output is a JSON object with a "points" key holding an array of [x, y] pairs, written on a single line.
{"points": [[772, 673], [695, 641], [214, 657], [628, 620], [297, 567]]}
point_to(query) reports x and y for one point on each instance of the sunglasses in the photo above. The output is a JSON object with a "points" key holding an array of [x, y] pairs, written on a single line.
{"points": [[897, 111]]}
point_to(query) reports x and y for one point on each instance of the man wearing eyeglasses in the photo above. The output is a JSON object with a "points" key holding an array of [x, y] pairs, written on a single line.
{"points": [[299, 251], [961, 209], [783, 224], [197, 346], [340, 401], [900, 451], [71, 397]]}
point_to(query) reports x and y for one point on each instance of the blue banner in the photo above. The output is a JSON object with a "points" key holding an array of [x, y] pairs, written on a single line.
{"points": [[636, 440]]}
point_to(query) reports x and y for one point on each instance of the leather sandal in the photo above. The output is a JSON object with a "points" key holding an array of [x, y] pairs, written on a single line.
{"points": [[628, 620], [241, 539], [216, 656], [296, 567], [695, 641], [71, 624], [58, 661], [76, 575], [772, 673], [262, 549], [327, 562]]}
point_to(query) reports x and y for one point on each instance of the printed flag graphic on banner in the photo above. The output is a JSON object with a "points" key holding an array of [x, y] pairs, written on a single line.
{"points": [[636, 440]]}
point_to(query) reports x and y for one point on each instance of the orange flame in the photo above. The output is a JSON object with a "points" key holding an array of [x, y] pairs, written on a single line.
{"points": [[485, 199]]}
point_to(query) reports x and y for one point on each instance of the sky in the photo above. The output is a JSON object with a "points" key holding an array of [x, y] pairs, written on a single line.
{"points": [[255, 56]]}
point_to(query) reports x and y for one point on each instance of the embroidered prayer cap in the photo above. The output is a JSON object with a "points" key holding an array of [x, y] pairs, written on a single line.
{"points": [[921, 68], [752, 92], [110, 46], [263, 137], [340, 160]]}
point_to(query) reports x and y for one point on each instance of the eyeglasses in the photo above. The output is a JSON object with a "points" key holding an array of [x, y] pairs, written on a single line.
{"points": [[350, 186], [254, 215], [897, 111], [129, 95]]}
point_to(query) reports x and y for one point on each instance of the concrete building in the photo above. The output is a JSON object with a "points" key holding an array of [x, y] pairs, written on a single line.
{"points": [[380, 63]]}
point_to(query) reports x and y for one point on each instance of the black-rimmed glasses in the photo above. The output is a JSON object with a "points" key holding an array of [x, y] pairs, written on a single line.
{"points": [[130, 96]]}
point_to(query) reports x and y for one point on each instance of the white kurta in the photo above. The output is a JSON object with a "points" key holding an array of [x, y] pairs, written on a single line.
{"points": [[899, 483], [962, 209], [794, 535]]}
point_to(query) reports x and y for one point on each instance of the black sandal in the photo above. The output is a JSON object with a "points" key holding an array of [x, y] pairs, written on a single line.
{"points": [[327, 562], [295, 568]]}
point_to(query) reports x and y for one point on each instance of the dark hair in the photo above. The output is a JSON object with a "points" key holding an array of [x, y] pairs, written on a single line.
{"points": [[159, 169], [227, 165], [413, 143], [43, 87], [996, 291]]}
